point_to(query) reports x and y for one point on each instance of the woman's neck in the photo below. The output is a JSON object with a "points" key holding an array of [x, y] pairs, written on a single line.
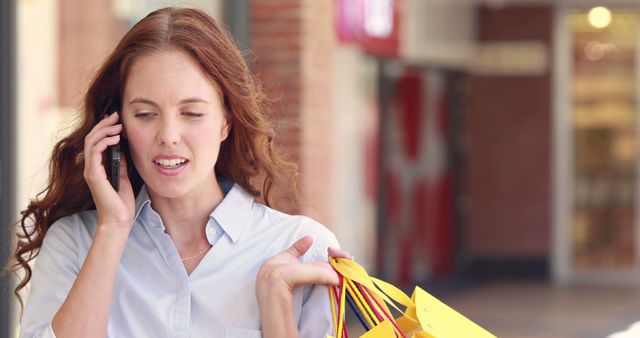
{"points": [[185, 217]]}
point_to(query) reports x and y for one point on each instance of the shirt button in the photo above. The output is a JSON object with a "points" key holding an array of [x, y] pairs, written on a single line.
{"points": [[212, 231]]}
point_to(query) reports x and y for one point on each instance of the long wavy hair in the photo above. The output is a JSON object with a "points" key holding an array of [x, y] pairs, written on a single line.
{"points": [[247, 156]]}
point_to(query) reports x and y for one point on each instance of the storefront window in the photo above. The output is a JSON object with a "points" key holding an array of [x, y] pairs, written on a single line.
{"points": [[605, 138]]}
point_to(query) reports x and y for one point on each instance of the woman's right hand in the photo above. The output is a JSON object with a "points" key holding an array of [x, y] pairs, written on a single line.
{"points": [[115, 208]]}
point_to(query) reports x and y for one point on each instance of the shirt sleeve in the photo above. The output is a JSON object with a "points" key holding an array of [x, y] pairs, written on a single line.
{"points": [[54, 272], [315, 315]]}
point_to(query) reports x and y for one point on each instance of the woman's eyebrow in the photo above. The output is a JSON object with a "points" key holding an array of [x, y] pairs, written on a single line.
{"points": [[184, 101], [193, 100]]}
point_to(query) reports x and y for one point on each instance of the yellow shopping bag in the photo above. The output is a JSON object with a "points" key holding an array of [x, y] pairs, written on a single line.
{"points": [[423, 316]]}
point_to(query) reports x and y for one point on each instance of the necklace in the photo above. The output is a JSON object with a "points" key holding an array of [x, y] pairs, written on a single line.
{"points": [[196, 255]]}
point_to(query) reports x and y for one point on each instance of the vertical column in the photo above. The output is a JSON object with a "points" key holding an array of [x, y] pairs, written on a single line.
{"points": [[293, 42], [88, 30], [509, 128]]}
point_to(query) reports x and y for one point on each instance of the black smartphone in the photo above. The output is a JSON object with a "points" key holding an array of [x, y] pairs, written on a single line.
{"points": [[111, 162]]}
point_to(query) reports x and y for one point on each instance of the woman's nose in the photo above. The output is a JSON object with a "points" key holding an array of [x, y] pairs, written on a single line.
{"points": [[168, 132]]}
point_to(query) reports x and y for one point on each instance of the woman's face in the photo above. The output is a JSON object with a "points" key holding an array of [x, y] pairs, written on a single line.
{"points": [[174, 122]]}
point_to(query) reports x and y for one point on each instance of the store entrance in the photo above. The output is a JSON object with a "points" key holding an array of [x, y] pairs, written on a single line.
{"points": [[601, 240]]}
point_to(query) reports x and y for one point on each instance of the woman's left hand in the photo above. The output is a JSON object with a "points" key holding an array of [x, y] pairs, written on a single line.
{"points": [[279, 275], [285, 270]]}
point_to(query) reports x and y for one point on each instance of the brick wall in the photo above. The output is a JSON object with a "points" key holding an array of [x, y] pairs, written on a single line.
{"points": [[292, 41], [509, 124], [88, 32]]}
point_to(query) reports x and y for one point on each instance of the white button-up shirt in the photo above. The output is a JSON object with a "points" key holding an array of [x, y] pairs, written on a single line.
{"points": [[153, 295]]}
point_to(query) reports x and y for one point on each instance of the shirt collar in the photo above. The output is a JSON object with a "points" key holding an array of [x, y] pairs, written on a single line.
{"points": [[232, 214], [141, 200]]}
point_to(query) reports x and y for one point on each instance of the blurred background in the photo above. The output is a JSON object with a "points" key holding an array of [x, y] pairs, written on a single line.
{"points": [[486, 150]]}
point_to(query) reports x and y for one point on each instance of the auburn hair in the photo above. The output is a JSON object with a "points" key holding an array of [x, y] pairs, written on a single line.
{"points": [[247, 156]]}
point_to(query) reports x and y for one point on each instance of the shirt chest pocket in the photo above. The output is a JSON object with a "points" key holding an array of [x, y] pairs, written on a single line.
{"points": [[236, 332]]}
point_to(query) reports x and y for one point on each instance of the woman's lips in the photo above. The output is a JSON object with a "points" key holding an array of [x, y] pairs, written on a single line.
{"points": [[171, 171]]}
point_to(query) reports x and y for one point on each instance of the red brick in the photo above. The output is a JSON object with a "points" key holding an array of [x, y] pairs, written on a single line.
{"points": [[293, 41]]}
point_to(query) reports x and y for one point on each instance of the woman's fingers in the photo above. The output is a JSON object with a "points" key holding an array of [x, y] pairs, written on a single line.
{"points": [[103, 134], [109, 118], [286, 269], [316, 272], [335, 252], [313, 273], [106, 121], [98, 134], [95, 157], [300, 247], [114, 208], [102, 145]]}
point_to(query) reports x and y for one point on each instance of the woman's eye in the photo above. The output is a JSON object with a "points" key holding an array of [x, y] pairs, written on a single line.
{"points": [[192, 114], [143, 114]]}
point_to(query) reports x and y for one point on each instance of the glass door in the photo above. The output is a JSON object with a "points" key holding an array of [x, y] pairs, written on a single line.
{"points": [[605, 140]]}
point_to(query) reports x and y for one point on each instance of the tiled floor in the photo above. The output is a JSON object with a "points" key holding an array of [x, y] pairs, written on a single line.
{"points": [[528, 309]]}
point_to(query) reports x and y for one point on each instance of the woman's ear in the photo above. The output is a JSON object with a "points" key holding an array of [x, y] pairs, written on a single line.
{"points": [[224, 133]]}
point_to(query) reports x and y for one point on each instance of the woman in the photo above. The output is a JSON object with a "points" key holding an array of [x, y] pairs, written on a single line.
{"points": [[181, 249]]}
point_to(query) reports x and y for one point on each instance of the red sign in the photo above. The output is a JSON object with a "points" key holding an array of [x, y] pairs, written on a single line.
{"points": [[371, 24]]}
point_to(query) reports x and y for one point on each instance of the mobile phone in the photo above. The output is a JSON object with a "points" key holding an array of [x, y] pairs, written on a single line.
{"points": [[111, 162]]}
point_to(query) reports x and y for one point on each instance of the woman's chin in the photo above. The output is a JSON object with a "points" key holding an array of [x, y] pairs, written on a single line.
{"points": [[168, 189], [177, 186]]}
